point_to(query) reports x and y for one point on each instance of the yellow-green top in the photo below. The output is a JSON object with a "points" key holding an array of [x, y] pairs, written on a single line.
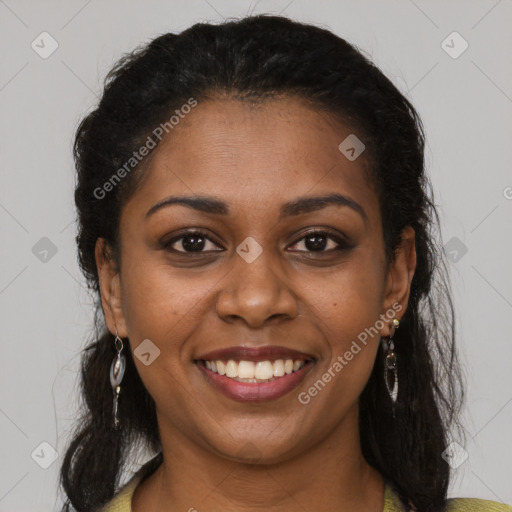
{"points": [[122, 501]]}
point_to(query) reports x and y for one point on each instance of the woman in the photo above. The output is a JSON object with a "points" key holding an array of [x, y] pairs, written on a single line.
{"points": [[278, 330]]}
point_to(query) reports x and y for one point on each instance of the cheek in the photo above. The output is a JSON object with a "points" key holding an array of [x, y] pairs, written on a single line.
{"points": [[349, 312], [156, 301], [350, 299], [161, 307], [348, 305]]}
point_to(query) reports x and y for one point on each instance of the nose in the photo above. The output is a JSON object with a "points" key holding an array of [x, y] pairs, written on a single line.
{"points": [[256, 293]]}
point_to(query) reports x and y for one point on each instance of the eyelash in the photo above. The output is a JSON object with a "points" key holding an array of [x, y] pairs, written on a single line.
{"points": [[342, 245]]}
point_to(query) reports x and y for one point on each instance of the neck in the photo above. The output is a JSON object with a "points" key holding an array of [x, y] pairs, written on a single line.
{"points": [[331, 475]]}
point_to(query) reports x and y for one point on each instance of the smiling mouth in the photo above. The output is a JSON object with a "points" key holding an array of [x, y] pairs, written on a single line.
{"points": [[240, 384], [254, 371]]}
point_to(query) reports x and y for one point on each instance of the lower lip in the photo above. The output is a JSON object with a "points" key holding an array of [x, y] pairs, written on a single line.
{"points": [[254, 391]]}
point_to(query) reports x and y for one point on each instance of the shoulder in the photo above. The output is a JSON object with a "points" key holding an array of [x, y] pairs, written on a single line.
{"points": [[122, 501], [476, 505], [393, 504]]}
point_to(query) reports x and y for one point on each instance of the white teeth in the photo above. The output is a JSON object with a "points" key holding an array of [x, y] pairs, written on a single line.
{"points": [[221, 368], [264, 370], [232, 369], [250, 371], [278, 368], [246, 370]]}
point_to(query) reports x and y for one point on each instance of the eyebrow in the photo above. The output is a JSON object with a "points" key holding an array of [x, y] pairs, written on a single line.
{"points": [[298, 206]]}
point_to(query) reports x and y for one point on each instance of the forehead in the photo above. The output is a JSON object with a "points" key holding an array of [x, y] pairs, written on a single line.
{"points": [[255, 155]]}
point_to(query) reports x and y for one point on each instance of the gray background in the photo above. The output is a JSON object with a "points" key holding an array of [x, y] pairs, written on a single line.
{"points": [[465, 104]]}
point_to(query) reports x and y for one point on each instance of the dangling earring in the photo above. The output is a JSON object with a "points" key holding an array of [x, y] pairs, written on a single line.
{"points": [[117, 369], [390, 369]]}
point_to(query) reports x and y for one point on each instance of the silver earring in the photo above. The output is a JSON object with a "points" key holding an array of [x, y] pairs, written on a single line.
{"points": [[117, 369], [390, 369]]}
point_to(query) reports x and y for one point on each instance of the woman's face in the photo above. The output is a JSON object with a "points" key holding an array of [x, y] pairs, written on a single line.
{"points": [[256, 278]]}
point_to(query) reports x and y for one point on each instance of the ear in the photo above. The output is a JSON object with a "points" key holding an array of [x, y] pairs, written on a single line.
{"points": [[399, 278], [110, 288]]}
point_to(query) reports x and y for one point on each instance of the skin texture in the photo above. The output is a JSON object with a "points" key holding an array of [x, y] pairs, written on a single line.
{"points": [[278, 455]]}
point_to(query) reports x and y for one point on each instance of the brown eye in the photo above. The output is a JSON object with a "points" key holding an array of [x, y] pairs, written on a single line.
{"points": [[191, 242], [321, 241]]}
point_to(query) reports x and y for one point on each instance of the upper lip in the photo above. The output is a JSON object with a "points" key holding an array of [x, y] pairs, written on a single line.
{"points": [[268, 352]]}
